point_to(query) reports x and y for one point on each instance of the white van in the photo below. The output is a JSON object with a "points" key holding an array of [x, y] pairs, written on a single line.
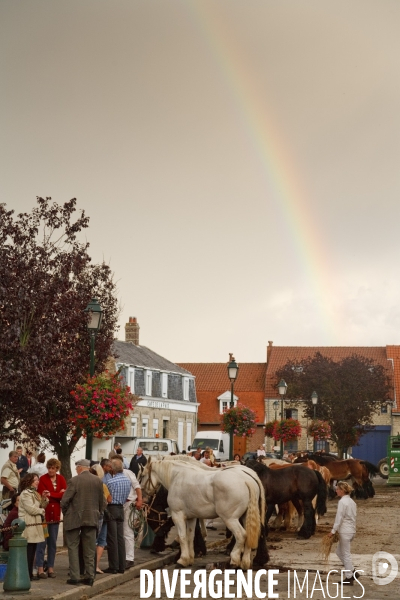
{"points": [[216, 440], [154, 446]]}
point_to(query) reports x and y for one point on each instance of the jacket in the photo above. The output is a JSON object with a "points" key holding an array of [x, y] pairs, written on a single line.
{"points": [[7, 535], [83, 502], [31, 510], [345, 521], [136, 461], [53, 509]]}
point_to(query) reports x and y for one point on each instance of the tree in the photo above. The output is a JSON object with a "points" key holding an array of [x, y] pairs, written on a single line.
{"points": [[46, 281], [350, 392]]}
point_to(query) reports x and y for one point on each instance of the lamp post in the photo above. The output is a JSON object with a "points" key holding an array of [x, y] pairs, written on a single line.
{"points": [[282, 387], [233, 369], [95, 316], [314, 400]]}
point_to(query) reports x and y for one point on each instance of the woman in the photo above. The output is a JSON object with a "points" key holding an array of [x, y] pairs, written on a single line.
{"points": [[101, 541], [237, 458], [345, 526], [39, 467], [55, 485], [31, 509], [13, 514], [261, 451]]}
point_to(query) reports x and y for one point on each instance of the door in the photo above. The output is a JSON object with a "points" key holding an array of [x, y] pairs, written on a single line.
{"points": [[373, 445], [239, 446]]}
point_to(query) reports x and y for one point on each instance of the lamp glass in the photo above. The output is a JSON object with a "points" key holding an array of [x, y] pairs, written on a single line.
{"points": [[314, 398], [233, 369], [95, 315], [282, 387]]}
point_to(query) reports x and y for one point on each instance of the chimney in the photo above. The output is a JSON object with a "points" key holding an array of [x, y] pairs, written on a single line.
{"points": [[269, 350], [132, 331]]}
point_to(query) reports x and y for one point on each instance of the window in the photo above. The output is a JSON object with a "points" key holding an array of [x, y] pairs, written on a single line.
{"points": [[164, 385], [165, 428], [134, 426], [291, 413], [145, 427], [148, 382], [384, 408], [155, 427], [185, 389], [131, 379], [224, 405]]}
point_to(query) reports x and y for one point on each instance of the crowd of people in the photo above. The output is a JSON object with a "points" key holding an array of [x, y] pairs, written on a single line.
{"points": [[95, 506]]}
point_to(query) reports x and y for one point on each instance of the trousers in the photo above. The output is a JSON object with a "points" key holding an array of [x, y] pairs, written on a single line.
{"points": [[128, 533], [87, 536], [115, 538], [51, 543], [343, 552]]}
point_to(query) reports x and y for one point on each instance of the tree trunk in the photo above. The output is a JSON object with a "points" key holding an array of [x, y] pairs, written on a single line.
{"points": [[64, 451]]}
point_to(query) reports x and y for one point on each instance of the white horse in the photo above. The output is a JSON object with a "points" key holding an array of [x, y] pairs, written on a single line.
{"points": [[196, 491]]}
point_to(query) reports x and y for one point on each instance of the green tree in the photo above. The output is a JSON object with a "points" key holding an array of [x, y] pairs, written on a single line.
{"points": [[350, 392], [46, 281]]}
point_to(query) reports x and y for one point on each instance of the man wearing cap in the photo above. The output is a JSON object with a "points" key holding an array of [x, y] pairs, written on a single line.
{"points": [[82, 503]]}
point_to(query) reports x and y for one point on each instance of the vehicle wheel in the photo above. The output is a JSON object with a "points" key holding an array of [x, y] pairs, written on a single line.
{"points": [[383, 468]]}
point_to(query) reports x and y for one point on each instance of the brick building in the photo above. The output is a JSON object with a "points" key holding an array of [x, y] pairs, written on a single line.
{"points": [[214, 396]]}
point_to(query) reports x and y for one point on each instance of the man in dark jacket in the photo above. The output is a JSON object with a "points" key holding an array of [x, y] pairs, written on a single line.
{"points": [[22, 463], [138, 459], [82, 503]]}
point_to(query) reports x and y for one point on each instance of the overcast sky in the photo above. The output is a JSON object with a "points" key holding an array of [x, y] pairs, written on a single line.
{"points": [[239, 160]]}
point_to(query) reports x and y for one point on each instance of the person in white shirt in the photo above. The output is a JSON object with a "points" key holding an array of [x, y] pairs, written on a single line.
{"points": [[345, 526], [135, 497]]}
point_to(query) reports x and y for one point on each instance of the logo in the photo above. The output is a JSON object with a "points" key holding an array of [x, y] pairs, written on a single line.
{"points": [[384, 568]]}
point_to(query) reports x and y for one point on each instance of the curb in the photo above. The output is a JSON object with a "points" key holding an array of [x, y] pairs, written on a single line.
{"points": [[102, 585]]}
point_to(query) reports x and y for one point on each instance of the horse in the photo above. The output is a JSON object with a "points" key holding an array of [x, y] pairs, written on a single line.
{"points": [[360, 471], [198, 491], [293, 483]]}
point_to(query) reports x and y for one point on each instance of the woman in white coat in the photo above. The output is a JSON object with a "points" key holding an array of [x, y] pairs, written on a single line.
{"points": [[345, 526], [31, 510]]}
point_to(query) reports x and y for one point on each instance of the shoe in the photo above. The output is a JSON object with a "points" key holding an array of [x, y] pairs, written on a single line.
{"points": [[34, 578], [42, 575], [212, 528], [51, 574], [87, 581], [356, 574], [113, 571], [129, 564], [349, 580], [73, 582], [99, 572]]}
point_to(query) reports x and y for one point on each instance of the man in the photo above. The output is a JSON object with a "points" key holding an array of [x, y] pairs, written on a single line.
{"points": [[137, 460], [119, 455], [134, 498], [114, 451], [206, 458], [82, 503], [22, 463], [107, 468], [10, 475], [119, 487], [197, 455]]}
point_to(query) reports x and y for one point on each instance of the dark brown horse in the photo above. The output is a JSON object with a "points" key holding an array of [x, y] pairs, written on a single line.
{"points": [[299, 485]]}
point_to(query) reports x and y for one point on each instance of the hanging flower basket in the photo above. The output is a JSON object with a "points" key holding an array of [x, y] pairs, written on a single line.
{"points": [[239, 420], [101, 405], [269, 429], [287, 430], [319, 430]]}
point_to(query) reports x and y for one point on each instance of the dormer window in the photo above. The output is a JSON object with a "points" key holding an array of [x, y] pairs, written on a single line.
{"points": [[225, 401], [185, 384]]}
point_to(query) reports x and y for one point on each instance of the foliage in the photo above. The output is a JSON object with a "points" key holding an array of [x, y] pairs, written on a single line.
{"points": [[286, 430], [101, 405], [46, 281], [319, 430], [269, 428], [350, 392], [240, 420]]}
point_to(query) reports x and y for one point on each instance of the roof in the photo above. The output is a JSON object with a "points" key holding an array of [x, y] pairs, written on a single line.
{"points": [[140, 356], [214, 377], [280, 355]]}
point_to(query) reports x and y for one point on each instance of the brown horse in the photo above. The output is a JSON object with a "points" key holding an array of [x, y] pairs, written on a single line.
{"points": [[360, 471]]}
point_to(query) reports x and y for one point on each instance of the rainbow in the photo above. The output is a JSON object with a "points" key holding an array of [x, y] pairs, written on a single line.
{"points": [[286, 188]]}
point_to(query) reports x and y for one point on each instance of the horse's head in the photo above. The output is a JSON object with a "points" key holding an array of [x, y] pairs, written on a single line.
{"points": [[149, 480]]}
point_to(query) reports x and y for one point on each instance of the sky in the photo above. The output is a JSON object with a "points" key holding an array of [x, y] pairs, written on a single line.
{"points": [[239, 160]]}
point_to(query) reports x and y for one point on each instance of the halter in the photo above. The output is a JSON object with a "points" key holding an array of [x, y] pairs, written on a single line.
{"points": [[159, 519]]}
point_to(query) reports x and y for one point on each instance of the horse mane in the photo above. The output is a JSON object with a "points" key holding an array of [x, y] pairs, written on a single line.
{"points": [[256, 466], [189, 461]]}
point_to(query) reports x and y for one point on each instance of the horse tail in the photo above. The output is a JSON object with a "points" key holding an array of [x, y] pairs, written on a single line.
{"points": [[253, 520], [322, 494], [371, 468]]}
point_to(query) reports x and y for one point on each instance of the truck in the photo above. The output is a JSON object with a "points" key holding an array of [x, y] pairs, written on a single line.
{"points": [[216, 440], [153, 446]]}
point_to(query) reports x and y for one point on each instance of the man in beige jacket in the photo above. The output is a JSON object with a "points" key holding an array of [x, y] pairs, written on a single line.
{"points": [[82, 503], [10, 476]]}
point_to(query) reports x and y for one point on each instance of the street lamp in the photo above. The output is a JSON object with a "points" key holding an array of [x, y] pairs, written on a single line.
{"points": [[282, 388], [233, 369], [314, 400], [95, 316]]}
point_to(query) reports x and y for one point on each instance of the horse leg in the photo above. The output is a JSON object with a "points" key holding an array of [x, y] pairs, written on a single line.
{"points": [[300, 512], [190, 529], [270, 510], [180, 523], [306, 530], [240, 537]]}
